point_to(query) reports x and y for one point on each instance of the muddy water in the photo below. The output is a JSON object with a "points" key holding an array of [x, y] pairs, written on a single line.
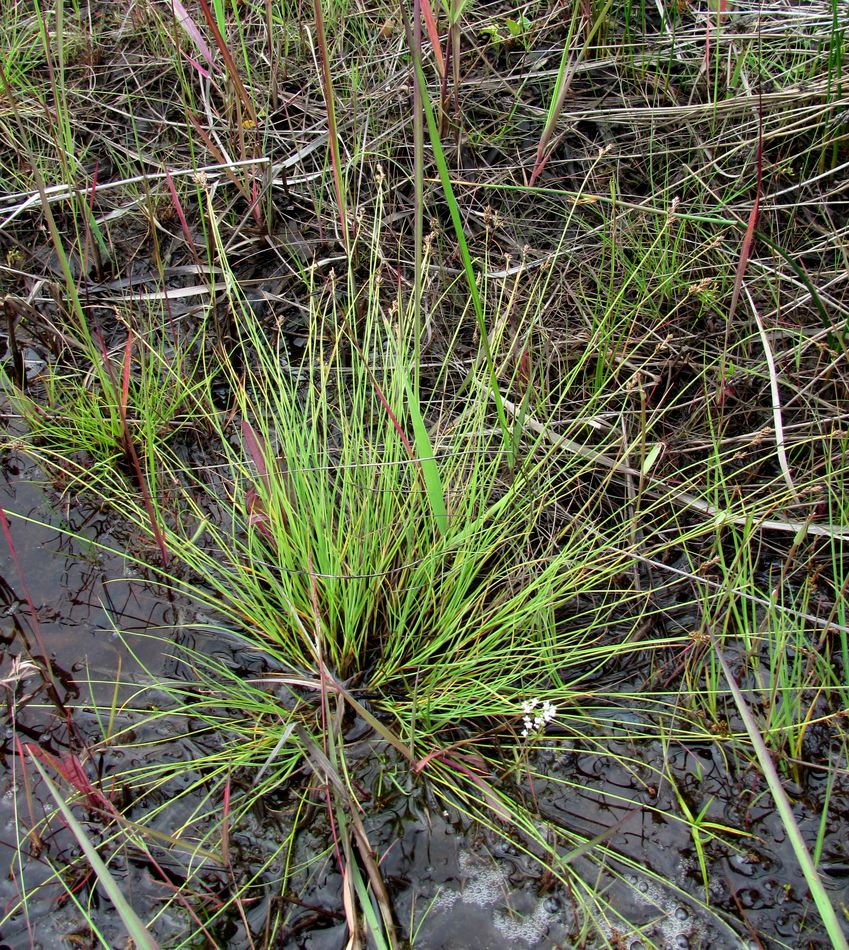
{"points": [[81, 593], [452, 884], [63, 597]]}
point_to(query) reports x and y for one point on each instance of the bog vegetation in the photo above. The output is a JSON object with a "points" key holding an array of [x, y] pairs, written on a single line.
{"points": [[477, 374]]}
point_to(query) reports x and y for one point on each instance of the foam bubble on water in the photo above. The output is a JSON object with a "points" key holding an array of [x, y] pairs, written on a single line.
{"points": [[677, 926], [485, 885], [530, 929], [446, 899]]}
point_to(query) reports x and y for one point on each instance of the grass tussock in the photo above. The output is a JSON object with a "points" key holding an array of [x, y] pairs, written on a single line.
{"points": [[477, 376]]}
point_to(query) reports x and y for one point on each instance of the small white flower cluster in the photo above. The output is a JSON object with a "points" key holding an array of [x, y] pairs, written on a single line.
{"points": [[537, 722]]}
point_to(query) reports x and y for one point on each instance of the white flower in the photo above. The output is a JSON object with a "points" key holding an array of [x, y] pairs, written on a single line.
{"points": [[538, 722]]}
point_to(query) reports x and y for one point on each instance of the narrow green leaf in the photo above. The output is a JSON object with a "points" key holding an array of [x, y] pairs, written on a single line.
{"points": [[135, 928], [474, 293], [427, 462], [785, 810], [651, 458]]}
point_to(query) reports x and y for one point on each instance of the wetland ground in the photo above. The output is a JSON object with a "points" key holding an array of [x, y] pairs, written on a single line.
{"points": [[424, 458]]}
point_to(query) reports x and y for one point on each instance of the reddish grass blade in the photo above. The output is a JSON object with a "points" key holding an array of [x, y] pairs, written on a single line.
{"points": [[748, 237], [178, 208], [433, 36], [249, 118], [257, 514], [492, 800], [563, 84], [443, 88], [217, 155], [125, 376], [323, 674], [122, 396], [333, 138], [33, 834], [272, 59], [225, 823], [70, 768], [182, 16], [90, 246], [383, 401], [229, 64], [93, 190], [139, 935], [196, 66], [254, 445]]}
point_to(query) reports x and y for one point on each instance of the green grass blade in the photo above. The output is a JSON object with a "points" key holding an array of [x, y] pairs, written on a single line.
{"points": [[453, 207], [138, 932], [785, 810], [428, 465]]}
